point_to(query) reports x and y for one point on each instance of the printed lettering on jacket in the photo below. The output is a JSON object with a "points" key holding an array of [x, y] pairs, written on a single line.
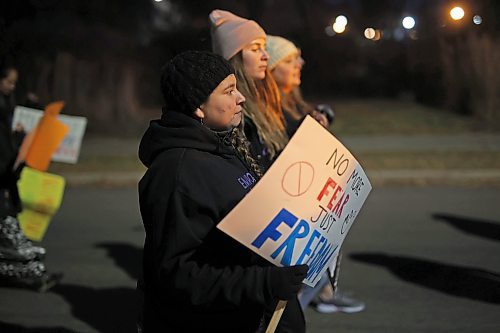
{"points": [[247, 180]]}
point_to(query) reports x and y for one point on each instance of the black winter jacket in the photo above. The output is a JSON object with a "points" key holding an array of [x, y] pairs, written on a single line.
{"points": [[196, 278], [10, 203]]}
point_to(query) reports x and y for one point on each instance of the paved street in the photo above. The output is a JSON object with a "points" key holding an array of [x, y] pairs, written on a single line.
{"points": [[423, 260]]}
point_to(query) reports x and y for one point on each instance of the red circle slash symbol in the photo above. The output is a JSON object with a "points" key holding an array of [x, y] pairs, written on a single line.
{"points": [[298, 178]]}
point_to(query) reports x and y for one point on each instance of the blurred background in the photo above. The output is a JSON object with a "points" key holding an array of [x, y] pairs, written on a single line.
{"points": [[415, 85], [103, 57]]}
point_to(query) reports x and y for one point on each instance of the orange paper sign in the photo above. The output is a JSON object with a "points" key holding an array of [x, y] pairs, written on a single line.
{"points": [[48, 136]]}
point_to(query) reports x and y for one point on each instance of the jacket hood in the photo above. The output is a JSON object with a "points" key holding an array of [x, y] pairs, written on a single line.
{"points": [[177, 130]]}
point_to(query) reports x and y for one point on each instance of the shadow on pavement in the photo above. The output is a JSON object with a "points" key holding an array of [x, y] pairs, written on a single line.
{"points": [[138, 228], [12, 328], [472, 283], [106, 310], [482, 228], [126, 256]]}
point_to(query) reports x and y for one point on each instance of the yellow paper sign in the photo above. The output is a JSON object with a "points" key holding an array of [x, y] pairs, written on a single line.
{"points": [[34, 224], [41, 194]]}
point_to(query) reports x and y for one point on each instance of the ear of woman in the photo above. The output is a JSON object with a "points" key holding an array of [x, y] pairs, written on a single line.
{"points": [[199, 113]]}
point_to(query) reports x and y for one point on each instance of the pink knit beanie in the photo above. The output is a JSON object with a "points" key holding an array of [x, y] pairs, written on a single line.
{"points": [[231, 33]]}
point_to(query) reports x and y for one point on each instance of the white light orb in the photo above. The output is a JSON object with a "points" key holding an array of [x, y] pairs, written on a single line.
{"points": [[408, 22]]}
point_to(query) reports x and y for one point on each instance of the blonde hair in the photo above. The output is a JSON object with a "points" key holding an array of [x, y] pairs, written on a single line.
{"points": [[262, 106], [293, 104]]}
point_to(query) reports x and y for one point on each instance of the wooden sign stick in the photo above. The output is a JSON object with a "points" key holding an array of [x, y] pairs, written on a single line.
{"points": [[278, 312]]}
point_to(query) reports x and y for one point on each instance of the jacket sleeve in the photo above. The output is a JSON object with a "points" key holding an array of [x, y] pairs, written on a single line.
{"points": [[188, 267]]}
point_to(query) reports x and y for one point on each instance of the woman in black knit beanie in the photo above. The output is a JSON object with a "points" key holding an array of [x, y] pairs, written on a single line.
{"points": [[195, 277]]}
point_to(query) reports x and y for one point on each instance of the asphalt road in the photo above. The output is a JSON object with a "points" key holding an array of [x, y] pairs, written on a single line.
{"points": [[422, 259]]}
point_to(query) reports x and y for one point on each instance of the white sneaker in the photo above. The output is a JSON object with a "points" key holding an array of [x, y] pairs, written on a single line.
{"points": [[338, 303]]}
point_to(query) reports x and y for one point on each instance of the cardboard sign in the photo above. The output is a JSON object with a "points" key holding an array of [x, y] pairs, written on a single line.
{"points": [[69, 150], [302, 209]]}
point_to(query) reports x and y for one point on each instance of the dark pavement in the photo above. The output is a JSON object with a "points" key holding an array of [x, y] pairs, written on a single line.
{"points": [[423, 260]]}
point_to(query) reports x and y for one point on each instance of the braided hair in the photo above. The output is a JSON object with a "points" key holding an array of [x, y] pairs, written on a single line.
{"points": [[240, 143]]}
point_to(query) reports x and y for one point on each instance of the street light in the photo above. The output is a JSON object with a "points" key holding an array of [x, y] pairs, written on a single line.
{"points": [[369, 33], [338, 28], [341, 20], [373, 34], [339, 24], [408, 22], [457, 13]]}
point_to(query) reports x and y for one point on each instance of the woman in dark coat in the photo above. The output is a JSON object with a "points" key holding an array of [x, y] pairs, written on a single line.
{"points": [[195, 277]]}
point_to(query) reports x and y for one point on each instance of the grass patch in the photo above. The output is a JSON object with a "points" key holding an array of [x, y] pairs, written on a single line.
{"points": [[360, 117], [429, 160], [385, 117], [99, 163], [369, 160], [456, 183]]}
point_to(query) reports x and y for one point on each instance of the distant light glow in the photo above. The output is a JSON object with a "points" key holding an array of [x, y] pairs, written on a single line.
{"points": [[477, 19], [399, 34], [340, 24], [408, 22], [329, 31], [158, 0], [457, 13], [369, 33], [378, 35], [341, 20], [338, 28]]}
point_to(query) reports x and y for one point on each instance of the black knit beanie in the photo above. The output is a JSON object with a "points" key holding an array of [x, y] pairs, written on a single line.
{"points": [[190, 77]]}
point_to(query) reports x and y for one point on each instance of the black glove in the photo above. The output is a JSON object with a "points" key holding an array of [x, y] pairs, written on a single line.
{"points": [[287, 281], [327, 111]]}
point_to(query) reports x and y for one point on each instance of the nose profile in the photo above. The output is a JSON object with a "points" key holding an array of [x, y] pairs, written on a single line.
{"points": [[241, 98], [265, 55], [301, 62]]}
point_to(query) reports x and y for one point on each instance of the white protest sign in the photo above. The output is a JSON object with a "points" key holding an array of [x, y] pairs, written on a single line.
{"points": [[302, 209], [69, 150]]}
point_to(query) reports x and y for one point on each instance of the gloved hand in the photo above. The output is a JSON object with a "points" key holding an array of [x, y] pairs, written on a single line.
{"points": [[287, 281], [320, 118], [327, 111]]}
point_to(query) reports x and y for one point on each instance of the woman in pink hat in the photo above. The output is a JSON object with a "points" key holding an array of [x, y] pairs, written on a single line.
{"points": [[243, 43]]}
